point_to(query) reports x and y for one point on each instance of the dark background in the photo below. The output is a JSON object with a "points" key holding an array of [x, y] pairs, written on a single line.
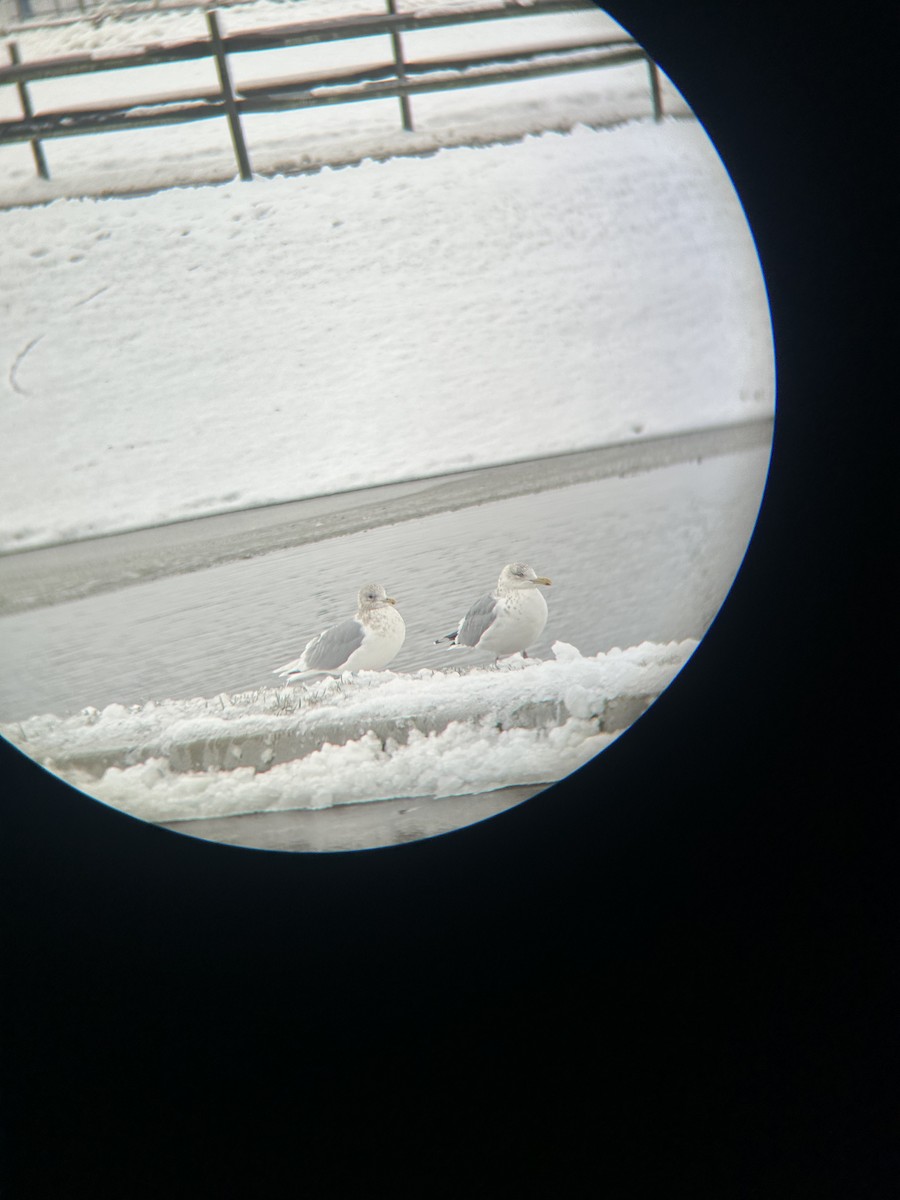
{"points": [[673, 970]]}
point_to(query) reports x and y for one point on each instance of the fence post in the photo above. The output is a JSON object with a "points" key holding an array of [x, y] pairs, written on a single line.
{"points": [[25, 100], [234, 117], [405, 110], [655, 89]]}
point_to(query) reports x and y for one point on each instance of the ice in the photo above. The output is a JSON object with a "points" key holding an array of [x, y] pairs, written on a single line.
{"points": [[563, 652], [373, 736]]}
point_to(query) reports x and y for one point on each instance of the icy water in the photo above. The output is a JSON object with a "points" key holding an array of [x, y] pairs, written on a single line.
{"points": [[645, 557]]}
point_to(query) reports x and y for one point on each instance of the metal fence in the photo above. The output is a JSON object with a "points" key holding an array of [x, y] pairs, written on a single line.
{"points": [[394, 76]]}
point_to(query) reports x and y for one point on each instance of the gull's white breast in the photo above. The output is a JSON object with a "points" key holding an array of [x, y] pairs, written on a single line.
{"points": [[521, 617], [385, 632]]}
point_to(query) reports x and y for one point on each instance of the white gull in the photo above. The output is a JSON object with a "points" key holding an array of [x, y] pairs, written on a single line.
{"points": [[366, 642], [507, 620]]}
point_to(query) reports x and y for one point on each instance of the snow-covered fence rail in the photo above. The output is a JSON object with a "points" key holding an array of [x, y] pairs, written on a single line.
{"points": [[391, 76]]}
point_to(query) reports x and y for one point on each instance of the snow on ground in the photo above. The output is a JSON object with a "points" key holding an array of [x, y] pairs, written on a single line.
{"points": [[210, 349], [375, 736]]}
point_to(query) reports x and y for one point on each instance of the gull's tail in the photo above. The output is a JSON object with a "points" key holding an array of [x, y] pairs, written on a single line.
{"points": [[448, 637]]}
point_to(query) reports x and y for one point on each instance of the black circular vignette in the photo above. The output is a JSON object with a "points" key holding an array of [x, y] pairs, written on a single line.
{"points": [[672, 966]]}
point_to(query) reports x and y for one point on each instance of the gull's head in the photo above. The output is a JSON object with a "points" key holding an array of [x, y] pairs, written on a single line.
{"points": [[372, 596], [520, 575]]}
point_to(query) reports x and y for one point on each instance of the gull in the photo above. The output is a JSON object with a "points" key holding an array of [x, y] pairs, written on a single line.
{"points": [[366, 642], [507, 620]]}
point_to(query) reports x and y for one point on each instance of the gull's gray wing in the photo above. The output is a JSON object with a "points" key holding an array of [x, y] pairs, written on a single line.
{"points": [[332, 648], [477, 621]]}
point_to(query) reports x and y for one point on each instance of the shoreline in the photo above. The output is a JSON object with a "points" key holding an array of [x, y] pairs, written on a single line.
{"points": [[50, 575]]}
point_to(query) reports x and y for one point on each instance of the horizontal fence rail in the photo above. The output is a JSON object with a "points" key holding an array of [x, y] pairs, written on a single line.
{"points": [[394, 76]]}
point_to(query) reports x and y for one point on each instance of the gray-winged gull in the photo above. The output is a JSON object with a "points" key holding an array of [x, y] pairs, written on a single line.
{"points": [[507, 620], [366, 642]]}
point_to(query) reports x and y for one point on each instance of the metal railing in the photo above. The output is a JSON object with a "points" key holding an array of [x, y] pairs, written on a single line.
{"points": [[395, 75]]}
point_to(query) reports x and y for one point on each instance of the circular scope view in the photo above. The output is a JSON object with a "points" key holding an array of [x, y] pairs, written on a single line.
{"points": [[388, 399]]}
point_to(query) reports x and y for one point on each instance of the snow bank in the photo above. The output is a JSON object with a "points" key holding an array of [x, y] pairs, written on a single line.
{"points": [[378, 735]]}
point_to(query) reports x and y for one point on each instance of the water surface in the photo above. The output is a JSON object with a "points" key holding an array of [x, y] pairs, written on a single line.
{"points": [[645, 557]]}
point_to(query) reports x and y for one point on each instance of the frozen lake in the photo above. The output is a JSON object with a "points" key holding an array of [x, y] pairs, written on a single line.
{"points": [[635, 557]]}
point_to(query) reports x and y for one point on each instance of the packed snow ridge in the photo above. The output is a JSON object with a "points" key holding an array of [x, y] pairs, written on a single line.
{"points": [[373, 736]]}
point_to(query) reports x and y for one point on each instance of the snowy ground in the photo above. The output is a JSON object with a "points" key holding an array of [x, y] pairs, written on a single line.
{"points": [[211, 348], [207, 349]]}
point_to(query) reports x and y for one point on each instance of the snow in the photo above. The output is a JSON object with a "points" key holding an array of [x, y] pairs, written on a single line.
{"points": [[211, 349], [379, 735]]}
